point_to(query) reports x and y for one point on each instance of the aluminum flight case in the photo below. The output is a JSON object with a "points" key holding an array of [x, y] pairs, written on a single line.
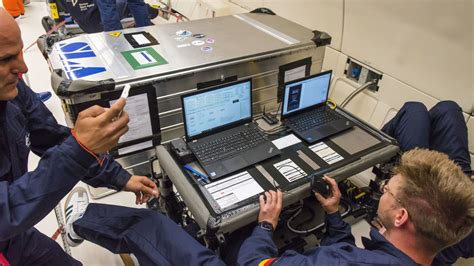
{"points": [[173, 59]]}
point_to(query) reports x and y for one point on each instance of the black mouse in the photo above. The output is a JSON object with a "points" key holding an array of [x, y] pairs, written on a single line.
{"points": [[322, 187]]}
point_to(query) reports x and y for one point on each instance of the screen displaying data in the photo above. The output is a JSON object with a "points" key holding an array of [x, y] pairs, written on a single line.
{"points": [[216, 108], [306, 93]]}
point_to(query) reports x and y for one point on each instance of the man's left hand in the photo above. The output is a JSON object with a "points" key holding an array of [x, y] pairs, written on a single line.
{"points": [[270, 207], [143, 188]]}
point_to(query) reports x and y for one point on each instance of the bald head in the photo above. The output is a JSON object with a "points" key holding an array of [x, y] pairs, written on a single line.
{"points": [[8, 25], [11, 56]]}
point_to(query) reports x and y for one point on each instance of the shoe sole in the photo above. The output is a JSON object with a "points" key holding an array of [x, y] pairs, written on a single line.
{"points": [[69, 196], [46, 98]]}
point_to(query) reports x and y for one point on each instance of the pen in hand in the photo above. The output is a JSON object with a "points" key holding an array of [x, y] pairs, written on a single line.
{"points": [[124, 95]]}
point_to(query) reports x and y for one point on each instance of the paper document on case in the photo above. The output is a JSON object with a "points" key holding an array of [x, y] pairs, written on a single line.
{"points": [[139, 125], [286, 141], [326, 153], [233, 189], [143, 57], [295, 73], [290, 170], [135, 147], [140, 39]]}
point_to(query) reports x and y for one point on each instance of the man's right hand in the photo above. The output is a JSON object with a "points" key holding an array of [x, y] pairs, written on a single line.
{"points": [[99, 129], [270, 207], [331, 203]]}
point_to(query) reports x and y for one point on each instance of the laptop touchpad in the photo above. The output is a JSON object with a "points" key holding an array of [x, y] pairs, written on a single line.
{"points": [[326, 128], [234, 162]]}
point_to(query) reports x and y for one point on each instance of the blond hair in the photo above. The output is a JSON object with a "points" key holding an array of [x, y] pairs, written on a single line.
{"points": [[439, 197]]}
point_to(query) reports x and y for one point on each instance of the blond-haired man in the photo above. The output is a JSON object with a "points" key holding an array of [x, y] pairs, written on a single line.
{"points": [[426, 206]]}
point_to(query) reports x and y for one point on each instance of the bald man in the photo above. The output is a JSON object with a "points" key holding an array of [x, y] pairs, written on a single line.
{"points": [[67, 157]]}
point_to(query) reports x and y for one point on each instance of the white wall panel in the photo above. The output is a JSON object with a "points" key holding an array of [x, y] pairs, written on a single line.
{"points": [[425, 44], [396, 93]]}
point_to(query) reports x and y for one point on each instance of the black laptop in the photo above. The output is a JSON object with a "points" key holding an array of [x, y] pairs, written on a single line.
{"points": [[219, 129], [305, 110]]}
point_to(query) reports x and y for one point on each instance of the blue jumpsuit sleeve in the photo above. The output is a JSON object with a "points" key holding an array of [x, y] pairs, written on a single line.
{"points": [[110, 175], [256, 248], [337, 231], [30, 197], [45, 132], [449, 255]]}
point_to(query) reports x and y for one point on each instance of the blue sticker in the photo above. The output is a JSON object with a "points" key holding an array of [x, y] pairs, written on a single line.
{"points": [[206, 49], [75, 72], [183, 33], [77, 50]]}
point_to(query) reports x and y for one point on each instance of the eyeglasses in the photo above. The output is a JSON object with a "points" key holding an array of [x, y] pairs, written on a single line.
{"points": [[384, 188]]}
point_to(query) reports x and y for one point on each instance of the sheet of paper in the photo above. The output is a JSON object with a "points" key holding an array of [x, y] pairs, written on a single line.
{"points": [[140, 121], [326, 153], [143, 57], [286, 141], [233, 189], [290, 170], [140, 39], [135, 147], [295, 73]]}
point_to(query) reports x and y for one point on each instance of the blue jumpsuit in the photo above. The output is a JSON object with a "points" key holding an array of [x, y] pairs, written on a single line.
{"points": [[27, 197]]}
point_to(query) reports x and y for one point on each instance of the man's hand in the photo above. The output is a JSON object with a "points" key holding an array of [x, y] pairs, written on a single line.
{"points": [[143, 188], [331, 203], [99, 129], [270, 207]]}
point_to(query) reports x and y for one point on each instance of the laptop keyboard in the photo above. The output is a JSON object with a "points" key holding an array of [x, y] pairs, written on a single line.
{"points": [[313, 119], [228, 146]]}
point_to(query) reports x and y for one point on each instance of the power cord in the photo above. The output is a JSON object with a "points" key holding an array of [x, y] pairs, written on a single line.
{"points": [[304, 232], [357, 91], [331, 103]]}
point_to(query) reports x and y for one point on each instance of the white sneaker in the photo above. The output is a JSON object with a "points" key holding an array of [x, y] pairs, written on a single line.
{"points": [[74, 209]]}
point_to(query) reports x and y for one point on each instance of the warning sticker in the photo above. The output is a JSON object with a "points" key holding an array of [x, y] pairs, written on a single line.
{"points": [[326, 153], [115, 33]]}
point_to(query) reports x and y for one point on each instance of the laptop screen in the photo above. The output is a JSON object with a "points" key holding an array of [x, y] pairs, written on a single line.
{"points": [[217, 107], [306, 92]]}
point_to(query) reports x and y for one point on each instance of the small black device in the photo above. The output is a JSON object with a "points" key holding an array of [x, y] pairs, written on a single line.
{"points": [[321, 186], [269, 119], [181, 152]]}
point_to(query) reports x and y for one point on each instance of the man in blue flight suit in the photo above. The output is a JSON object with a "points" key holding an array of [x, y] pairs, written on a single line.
{"points": [[426, 206], [67, 157]]}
